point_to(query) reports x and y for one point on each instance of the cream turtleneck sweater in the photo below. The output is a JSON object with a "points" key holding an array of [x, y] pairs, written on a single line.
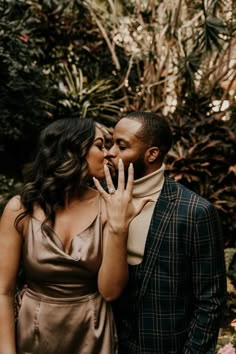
{"points": [[149, 185]]}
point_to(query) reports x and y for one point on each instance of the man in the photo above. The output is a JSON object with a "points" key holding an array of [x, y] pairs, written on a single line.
{"points": [[176, 292]]}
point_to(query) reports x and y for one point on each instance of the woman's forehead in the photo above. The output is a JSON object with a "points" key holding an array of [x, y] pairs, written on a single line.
{"points": [[98, 134]]}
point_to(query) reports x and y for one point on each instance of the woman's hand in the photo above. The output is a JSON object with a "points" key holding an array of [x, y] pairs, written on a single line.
{"points": [[119, 203], [121, 209]]}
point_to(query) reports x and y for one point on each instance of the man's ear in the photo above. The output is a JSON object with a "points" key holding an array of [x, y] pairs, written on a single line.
{"points": [[152, 154]]}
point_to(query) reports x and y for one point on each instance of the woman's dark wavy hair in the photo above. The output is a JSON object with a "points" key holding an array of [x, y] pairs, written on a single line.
{"points": [[60, 169]]}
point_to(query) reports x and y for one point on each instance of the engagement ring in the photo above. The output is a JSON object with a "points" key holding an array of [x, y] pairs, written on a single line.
{"points": [[111, 190]]}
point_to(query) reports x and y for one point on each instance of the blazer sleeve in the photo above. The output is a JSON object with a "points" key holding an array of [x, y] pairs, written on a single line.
{"points": [[208, 282]]}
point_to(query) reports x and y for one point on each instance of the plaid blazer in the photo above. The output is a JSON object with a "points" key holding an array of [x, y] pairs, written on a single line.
{"points": [[175, 298]]}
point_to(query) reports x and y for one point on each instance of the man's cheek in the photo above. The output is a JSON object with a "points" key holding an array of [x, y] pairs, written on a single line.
{"points": [[126, 162], [112, 170]]}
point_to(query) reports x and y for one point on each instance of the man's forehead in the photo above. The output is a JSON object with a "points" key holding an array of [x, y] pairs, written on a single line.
{"points": [[128, 127]]}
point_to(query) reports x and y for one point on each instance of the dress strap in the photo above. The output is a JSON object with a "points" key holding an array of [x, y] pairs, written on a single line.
{"points": [[100, 205], [100, 221]]}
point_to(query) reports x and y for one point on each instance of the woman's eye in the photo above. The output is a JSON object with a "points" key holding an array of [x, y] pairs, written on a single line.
{"points": [[101, 147]]}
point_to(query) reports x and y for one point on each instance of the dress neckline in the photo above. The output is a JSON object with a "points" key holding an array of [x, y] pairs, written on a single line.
{"points": [[56, 240]]}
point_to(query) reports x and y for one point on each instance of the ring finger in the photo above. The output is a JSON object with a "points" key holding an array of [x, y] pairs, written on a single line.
{"points": [[110, 185]]}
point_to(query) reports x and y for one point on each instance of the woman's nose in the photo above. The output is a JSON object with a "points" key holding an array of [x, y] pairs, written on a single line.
{"points": [[105, 152], [111, 151]]}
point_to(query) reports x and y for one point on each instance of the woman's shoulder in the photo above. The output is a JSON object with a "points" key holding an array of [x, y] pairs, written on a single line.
{"points": [[91, 193], [94, 194], [13, 209], [14, 205]]}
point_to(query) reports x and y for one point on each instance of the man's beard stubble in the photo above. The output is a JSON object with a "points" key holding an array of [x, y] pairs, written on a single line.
{"points": [[139, 171]]}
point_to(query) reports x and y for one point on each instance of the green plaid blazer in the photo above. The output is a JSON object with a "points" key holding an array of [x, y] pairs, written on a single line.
{"points": [[175, 298]]}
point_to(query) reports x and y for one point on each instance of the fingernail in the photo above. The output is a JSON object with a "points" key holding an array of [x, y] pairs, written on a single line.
{"points": [[120, 161], [131, 164], [105, 167], [94, 178]]}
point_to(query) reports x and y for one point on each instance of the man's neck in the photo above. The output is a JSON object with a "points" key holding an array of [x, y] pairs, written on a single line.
{"points": [[149, 184]]}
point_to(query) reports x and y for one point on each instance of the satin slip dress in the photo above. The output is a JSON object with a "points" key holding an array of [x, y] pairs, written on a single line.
{"points": [[62, 311]]}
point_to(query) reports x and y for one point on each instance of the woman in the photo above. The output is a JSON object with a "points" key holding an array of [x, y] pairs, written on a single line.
{"points": [[73, 242]]}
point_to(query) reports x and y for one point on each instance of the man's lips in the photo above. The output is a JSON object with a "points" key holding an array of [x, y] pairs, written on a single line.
{"points": [[110, 163]]}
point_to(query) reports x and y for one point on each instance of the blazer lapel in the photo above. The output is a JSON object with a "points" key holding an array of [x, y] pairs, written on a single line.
{"points": [[161, 216]]}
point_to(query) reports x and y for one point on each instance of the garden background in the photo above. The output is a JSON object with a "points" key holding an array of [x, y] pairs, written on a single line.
{"points": [[103, 58]]}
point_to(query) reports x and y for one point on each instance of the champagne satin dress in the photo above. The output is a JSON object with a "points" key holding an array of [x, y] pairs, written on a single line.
{"points": [[62, 311]]}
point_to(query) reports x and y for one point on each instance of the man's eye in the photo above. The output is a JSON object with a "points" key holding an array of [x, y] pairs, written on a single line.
{"points": [[122, 147]]}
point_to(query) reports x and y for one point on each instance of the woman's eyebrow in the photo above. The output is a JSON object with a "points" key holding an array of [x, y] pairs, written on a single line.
{"points": [[99, 138]]}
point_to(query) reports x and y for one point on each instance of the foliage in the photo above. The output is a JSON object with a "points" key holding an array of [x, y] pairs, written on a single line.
{"points": [[204, 160], [180, 60], [230, 260], [170, 47], [8, 188], [43, 47], [63, 32], [92, 99], [36, 70], [228, 347], [104, 58], [24, 90], [226, 343]]}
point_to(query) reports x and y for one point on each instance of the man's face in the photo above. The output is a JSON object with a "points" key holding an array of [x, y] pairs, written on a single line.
{"points": [[128, 147]]}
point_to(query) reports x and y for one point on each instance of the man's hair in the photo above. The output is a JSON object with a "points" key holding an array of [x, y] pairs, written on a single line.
{"points": [[154, 131]]}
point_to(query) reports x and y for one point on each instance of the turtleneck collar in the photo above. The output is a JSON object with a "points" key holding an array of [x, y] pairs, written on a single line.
{"points": [[150, 184]]}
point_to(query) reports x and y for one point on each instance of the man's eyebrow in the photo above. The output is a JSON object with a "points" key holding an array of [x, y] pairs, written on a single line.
{"points": [[120, 140]]}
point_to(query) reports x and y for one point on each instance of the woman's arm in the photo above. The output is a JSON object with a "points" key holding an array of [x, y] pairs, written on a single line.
{"points": [[113, 273], [10, 250], [120, 209]]}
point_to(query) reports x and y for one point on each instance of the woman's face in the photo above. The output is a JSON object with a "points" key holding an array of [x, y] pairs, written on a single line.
{"points": [[96, 156]]}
